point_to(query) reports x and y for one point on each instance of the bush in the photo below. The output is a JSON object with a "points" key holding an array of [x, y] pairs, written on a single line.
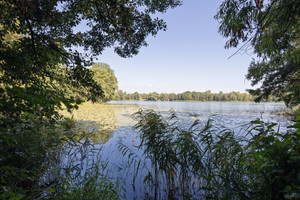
{"points": [[33, 155]]}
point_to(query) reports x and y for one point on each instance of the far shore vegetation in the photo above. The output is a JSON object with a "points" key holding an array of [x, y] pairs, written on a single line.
{"points": [[189, 96]]}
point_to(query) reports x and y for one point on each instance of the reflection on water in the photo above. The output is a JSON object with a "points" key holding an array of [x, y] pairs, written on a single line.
{"points": [[100, 121]]}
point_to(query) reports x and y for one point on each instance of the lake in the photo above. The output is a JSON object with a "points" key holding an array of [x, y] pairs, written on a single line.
{"points": [[112, 124], [228, 114]]}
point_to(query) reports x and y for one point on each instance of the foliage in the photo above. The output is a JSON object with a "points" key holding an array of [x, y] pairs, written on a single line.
{"points": [[26, 151], [49, 161], [156, 139], [277, 163], [41, 72], [106, 78], [37, 36], [272, 28], [197, 160], [93, 185], [186, 96]]}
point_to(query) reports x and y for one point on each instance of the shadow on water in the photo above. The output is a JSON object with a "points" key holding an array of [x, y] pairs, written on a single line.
{"points": [[100, 121], [95, 132]]}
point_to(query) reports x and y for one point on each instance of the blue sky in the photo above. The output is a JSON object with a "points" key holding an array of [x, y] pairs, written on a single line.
{"points": [[189, 56]]}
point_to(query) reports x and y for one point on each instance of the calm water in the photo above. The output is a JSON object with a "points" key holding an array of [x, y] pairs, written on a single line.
{"points": [[114, 124], [228, 114]]}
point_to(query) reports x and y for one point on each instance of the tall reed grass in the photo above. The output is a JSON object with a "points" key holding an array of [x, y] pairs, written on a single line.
{"points": [[201, 161]]}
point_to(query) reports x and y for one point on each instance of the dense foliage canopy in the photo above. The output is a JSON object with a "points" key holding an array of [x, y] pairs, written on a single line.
{"points": [[272, 28], [106, 78], [38, 36]]}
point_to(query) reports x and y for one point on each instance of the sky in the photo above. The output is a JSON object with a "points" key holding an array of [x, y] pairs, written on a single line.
{"points": [[189, 56]]}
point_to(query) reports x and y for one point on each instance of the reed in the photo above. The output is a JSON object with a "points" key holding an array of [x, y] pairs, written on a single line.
{"points": [[201, 161]]}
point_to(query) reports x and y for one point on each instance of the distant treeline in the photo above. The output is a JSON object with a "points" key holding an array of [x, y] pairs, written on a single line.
{"points": [[185, 96]]}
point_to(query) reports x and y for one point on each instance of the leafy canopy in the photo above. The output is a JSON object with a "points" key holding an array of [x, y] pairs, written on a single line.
{"points": [[272, 28], [37, 37], [106, 78]]}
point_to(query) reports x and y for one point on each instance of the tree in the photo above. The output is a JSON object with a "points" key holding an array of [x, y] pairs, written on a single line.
{"points": [[186, 96], [107, 80], [232, 96], [153, 96], [30, 77], [41, 71], [136, 96], [120, 95], [272, 28], [173, 97]]}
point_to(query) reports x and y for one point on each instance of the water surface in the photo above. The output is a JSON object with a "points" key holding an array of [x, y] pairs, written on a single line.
{"points": [[228, 114], [112, 123]]}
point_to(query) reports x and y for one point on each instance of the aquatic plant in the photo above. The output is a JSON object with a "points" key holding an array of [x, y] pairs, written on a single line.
{"points": [[203, 161]]}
